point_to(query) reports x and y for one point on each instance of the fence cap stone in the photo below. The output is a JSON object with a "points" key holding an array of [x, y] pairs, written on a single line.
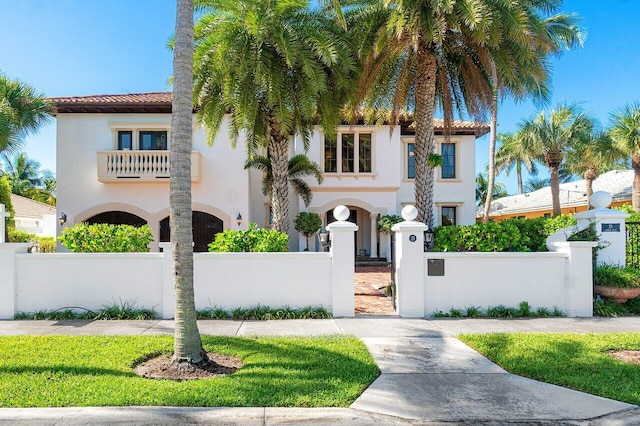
{"points": [[601, 199], [409, 213], [341, 213]]}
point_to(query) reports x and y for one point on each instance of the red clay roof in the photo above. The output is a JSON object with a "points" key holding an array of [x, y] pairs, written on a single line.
{"points": [[160, 102]]}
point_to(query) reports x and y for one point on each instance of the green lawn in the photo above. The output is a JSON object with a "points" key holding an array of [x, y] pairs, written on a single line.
{"points": [[96, 371], [576, 361]]}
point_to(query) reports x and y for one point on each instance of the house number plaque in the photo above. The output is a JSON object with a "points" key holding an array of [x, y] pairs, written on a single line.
{"points": [[610, 227], [412, 238]]}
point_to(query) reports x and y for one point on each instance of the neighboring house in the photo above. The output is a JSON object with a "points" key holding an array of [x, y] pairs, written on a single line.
{"points": [[34, 217], [113, 166], [573, 198]]}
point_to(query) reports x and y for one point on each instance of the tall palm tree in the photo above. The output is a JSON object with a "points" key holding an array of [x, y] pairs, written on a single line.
{"points": [[552, 137], [529, 74], [22, 112], [188, 350], [535, 183], [298, 167], [592, 155], [625, 131], [23, 173], [482, 189], [440, 54], [278, 69], [513, 155]]}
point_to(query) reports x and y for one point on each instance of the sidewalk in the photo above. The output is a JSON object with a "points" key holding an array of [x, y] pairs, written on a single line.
{"points": [[428, 376]]}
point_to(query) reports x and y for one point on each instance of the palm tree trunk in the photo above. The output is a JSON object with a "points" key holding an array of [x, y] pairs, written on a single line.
{"points": [[519, 176], [187, 344], [555, 189], [425, 143], [635, 191], [492, 144], [589, 176], [279, 155]]}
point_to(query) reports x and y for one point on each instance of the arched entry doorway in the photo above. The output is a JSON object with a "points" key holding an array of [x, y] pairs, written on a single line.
{"points": [[366, 237], [205, 228], [117, 218]]}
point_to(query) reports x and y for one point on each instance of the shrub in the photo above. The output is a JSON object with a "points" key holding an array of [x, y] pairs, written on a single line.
{"points": [[106, 238], [509, 235], [253, 239], [40, 244], [615, 276], [386, 222], [5, 198], [308, 224]]}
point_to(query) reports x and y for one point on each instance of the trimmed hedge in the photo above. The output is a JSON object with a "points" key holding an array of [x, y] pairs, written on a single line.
{"points": [[253, 239], [106, 238]]}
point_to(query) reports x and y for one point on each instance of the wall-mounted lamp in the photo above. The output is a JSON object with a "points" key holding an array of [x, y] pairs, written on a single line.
{"points": [[428, 239], [323, 238], [239, 219], [62, 219]]}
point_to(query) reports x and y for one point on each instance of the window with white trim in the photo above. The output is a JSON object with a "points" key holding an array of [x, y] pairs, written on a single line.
{"points": [[348, 153], [448, 215], [448, 152]]}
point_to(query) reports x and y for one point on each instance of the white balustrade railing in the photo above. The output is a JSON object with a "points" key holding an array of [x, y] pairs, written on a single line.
{"points": [[140, 166]]}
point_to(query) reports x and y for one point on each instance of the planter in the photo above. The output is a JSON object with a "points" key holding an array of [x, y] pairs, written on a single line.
{"points": [[620, 295]]}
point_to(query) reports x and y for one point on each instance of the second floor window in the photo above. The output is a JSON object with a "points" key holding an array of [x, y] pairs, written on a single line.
{"points": [[125, 140], [448, 161], [348, 153], [153, 140]]}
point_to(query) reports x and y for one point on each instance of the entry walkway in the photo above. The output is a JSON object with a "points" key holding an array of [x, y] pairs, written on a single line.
{"points": [[427, 376], [370, 297]]}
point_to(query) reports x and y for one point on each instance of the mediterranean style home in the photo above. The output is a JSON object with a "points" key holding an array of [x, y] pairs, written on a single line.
{"points": [[113, 167], [573, 198]]}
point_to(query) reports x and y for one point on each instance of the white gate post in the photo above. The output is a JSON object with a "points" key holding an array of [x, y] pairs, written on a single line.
{"points": [[8, 283], [610, 227], [168, 291], [409, 258], [342, 263], [3, 216]]}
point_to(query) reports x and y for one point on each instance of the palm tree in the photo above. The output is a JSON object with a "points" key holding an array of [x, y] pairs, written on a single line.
{"points": [[529, 73], [592, 155], [482, 189], [23, 173], [278, 69], [513, 155], [625, 132], [552, 137], [188, 350], [22, 112], [536, 183], [423, 55], [298, 167]]}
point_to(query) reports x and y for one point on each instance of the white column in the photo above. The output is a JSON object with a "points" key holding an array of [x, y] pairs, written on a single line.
{"points": [[610, 227], [409, 258], [342, 263], [374, 235], [8, 279], [3, 215], [579, 279]]}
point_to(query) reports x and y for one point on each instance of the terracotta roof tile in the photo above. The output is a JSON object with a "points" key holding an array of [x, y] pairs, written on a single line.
{"points": [[130, 98]]}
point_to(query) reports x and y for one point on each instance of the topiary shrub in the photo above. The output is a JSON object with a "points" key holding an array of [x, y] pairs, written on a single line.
{"points": [[308, 224], [106, 238], [253, 239], [386, 222]]}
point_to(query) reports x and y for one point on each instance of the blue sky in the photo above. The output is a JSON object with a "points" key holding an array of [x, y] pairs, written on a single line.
{"points": [[88, 47]]}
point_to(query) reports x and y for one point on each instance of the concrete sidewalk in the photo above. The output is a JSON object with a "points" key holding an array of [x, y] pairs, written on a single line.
{"points": [[427, 376]]}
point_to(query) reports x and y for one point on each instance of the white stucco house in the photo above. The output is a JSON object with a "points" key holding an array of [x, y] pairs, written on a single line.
{"points": [[33, 216], [112, 166]]}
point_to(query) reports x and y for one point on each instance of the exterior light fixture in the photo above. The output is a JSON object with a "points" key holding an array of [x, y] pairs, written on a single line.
{"points": [[323, 238], [62, 219], [428, 239], [239, 219]]}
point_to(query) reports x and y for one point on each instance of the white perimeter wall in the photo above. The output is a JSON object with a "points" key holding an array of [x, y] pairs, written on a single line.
{"points": [[492, 279]]}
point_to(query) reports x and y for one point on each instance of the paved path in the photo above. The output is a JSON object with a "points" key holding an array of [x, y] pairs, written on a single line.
{"points": [[369, 296], [427, 377]]}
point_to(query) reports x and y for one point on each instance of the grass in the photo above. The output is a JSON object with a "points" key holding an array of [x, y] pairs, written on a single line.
{"points": [[57, 371], [576, 361], [264, 313], [125, 310], [606, 307], [523, 311]]}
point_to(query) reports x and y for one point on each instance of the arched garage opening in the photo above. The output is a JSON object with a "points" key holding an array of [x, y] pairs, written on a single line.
{"points": [[205, 228], [117, 218]]}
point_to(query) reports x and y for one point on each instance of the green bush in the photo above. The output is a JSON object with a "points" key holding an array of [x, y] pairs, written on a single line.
{"points": [[106, 238], [308, 224], [40, 244], [386, 222], [253, 239], [615, 276], [519, 235], [5, 198]]}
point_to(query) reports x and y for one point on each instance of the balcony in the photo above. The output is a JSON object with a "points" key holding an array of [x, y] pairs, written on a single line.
{"points": [[140, 166]]}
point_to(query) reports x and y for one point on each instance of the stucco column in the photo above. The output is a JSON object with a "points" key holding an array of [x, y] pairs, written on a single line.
{"points": [[610, 227], [579, 279], [409, 260], [168, 292], [3, 216], [374, 235], [342, 263], [8, 278]]}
